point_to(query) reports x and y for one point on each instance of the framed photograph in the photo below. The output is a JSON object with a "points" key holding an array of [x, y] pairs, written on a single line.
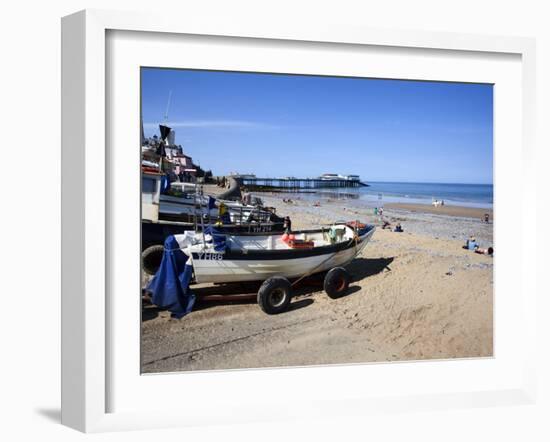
{"points": [[317, 221]]}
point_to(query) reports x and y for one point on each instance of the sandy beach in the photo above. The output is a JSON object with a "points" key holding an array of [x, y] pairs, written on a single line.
{"points": [[415, 295], [466, 212]]}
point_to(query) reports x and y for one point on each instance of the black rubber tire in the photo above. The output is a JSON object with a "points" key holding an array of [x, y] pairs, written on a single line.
{"points": [[274, 295], [336, 282], [151, 258]]}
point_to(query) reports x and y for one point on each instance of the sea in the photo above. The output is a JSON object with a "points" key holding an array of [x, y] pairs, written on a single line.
{"points": [[378, 193]]}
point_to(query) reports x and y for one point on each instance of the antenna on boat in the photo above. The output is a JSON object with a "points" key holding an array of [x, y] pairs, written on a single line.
{"points": [[202, 220], [167, 107], [164, 132]]}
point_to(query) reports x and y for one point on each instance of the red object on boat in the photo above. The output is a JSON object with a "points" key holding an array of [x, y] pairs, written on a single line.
{"points": [[294, 243], [300, 244], [149, 169], [354, 224]]}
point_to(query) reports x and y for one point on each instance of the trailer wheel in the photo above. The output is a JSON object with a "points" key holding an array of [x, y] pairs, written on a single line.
{"points": [[274, 295], [336, 282], [151, 258]]}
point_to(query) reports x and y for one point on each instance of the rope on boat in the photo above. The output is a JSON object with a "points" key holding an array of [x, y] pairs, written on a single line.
{"points": [[305, 275], [354, 239]]}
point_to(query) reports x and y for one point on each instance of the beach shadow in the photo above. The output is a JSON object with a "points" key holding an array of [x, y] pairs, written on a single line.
{"points": [[300, 304], [350, 291], [361, 268], [229, 294], [201, 304], [358, 269], [149, 312], [246, 293]]}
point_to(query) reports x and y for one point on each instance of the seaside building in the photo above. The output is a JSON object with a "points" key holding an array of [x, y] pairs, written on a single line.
{"points": [[163, 154], [183, 164], [171, 138], [242, 175], [339, 177]]}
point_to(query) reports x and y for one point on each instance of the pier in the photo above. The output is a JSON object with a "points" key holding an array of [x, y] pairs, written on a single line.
{"points": [[295, 184]]}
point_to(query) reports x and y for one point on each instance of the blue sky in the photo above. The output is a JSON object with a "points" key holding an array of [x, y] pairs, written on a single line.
{"points": [[287, 125]]}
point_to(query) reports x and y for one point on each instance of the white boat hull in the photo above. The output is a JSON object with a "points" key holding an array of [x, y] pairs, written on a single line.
{"points": [[214, 268]]}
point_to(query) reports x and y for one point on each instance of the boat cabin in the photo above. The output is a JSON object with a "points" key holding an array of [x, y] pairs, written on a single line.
{"points": [[150, 196]]}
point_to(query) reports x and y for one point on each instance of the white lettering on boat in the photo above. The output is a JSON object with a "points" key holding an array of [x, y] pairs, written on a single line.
{"points": [[260, 229], [211, 256]]}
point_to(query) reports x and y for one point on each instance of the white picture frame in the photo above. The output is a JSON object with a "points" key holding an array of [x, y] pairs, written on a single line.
{"points": [[86, 317]]}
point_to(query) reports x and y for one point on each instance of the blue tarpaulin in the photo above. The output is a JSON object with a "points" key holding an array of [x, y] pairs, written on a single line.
{"points": [[170, 285], [211, 203], [225, 218], [218, 239], [164, 183]]}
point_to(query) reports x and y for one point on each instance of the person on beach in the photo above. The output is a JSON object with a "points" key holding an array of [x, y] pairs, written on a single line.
{"points": [[287, 225], [471, 243], [223, 214], [398, 228], [486, 218], [489, 251]]}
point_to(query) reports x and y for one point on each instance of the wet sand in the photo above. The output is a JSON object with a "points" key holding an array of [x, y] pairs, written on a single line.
{"points": [[467, 212], [415, 295]]}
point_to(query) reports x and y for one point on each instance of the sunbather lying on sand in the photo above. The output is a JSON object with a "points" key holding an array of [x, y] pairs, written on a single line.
{"points": [[481, 251]]}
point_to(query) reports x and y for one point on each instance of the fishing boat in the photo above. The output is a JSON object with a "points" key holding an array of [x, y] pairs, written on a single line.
{"points": [[154, 234], [185, 203], [186, 207], [257, 257], [275, 259]]}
